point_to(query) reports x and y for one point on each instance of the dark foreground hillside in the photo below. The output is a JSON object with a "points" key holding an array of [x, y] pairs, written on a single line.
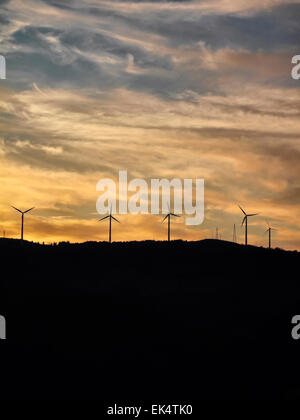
{"points": [[174, 322]]}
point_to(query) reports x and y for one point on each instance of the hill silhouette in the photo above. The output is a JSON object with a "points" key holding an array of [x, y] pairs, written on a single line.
{"points": [[178, 321]]}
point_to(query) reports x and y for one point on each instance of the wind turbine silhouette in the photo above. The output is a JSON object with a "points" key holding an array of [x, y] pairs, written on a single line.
{"points": [[168, 216], [110, 216], [269, 230], [234, 239], [217, 232], [245, 220], [22, 212]]}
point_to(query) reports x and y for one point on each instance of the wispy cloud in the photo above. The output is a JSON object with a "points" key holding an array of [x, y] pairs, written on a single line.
{"points": [[163, 89]]}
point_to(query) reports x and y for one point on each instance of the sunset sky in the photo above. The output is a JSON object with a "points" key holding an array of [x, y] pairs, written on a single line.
{"points": [[187, 89]]}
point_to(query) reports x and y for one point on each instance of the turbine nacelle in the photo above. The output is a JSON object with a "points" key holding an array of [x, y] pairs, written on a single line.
{"points": [[270, 228], [109, 216], [22, 212], [169, 215]]}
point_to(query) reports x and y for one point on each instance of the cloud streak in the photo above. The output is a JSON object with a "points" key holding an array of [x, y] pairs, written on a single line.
{"points": [[163, 89]]}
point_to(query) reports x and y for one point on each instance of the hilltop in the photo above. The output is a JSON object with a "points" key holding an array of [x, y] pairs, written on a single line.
{"points": [[150, 320]]}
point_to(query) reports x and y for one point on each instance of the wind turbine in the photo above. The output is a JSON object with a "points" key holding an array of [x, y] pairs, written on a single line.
{"points": [[269, 230], [234, 239], [245, 220], [110, 217], [217, 232], [22, 212], [168, 216]]}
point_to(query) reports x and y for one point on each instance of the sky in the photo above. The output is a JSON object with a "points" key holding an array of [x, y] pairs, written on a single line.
{"points": [[162, 89]]}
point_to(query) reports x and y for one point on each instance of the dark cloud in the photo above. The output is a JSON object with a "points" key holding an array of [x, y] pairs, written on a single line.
{"points": [[68, 55], [66, 60], [268, 30], [100, 43], [31, 36], [290, 196]]}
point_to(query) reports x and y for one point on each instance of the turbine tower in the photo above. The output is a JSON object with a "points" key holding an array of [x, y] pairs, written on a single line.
{"points": [[168, 216], [245, 220], [110, 217], [22, 213]]}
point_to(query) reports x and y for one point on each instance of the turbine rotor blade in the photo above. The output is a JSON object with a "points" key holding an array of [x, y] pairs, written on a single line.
{"points": [[20, 211], [26, 211], [115, 219], [242, 209], [176, 215], [168, 215], [103, 218], [254, 214], [243, 221]]}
